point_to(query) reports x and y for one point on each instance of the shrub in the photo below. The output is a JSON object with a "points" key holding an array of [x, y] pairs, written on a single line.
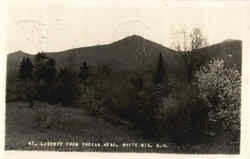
{"points": [[174, 117], [44, 118], [90, 101], [12, 95], [49, 117], [219, 87]]}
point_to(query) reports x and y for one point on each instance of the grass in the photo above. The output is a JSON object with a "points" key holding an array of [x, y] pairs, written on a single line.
{"points": [[24, 124], [45, 123]]}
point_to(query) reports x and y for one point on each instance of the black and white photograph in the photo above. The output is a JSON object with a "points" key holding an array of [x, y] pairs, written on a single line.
{"points": [[154, 78]]}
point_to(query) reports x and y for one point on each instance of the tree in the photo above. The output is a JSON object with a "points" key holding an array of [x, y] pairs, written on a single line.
{"points": [[26, 76], [45, 76], [67, 86], [220, 88], [40, 64], [26, 69], [137, 82], [158, 88], [150, 110], [160, 72], [50, 71], [189, 49], [83, 74], [50, 80], [197, 39], [187, 41]]}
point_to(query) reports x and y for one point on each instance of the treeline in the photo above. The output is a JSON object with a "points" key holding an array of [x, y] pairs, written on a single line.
{"points": [[43, 82]]}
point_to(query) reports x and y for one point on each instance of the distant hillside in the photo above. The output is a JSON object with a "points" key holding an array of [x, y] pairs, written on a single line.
{"points": [[129, 54], [229, 50]]}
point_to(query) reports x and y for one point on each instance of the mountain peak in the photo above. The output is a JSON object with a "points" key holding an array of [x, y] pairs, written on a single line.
{"points": [[134, 37]]}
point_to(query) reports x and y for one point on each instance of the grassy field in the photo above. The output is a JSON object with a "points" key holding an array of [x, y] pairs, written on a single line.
{"points": [[53, 123], [63, 124]]}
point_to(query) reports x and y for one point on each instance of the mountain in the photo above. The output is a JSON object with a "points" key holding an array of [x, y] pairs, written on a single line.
{"points": [[230, 50], [129, 54]]}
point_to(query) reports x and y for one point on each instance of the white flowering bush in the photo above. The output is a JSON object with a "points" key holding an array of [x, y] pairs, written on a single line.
{"points": [[220, 88]]}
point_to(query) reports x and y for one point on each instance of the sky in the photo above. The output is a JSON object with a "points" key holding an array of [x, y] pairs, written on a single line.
{"points": [[55, 26]]}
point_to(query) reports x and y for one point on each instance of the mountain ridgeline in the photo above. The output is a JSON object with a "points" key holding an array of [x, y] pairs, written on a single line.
{"points": [[133, 53]]}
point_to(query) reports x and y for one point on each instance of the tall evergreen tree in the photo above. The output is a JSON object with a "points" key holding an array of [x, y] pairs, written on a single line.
{"points": [[50, 72], [67, 87], [26, 69], [160, 72], [40, 66], [26, 77], [50, 79], [83, 74], [157, 95], [45, 76]]}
